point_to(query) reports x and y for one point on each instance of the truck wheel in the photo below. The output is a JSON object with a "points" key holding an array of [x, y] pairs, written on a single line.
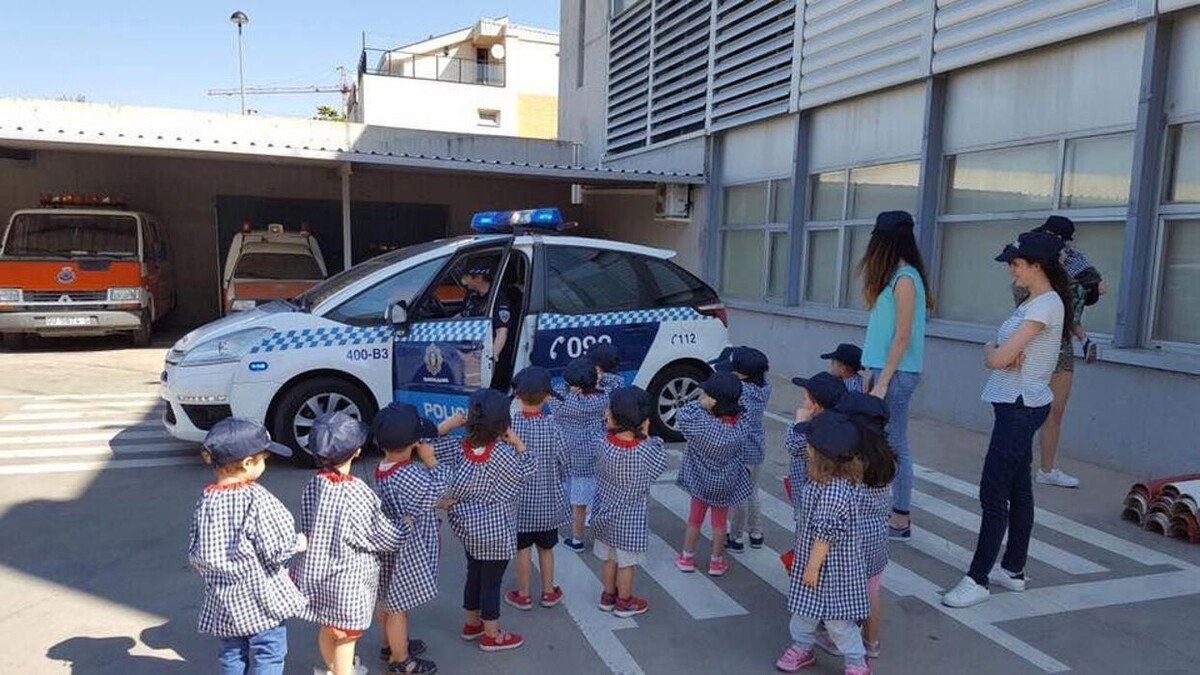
{"points": [[305, 401], [674, 387], [141, 336], [14, 341]]}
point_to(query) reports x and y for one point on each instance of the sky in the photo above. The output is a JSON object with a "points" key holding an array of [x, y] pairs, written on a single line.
{"points": [[169, 53]]}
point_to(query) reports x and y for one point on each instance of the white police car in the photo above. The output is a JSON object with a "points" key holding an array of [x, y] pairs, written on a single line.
{"points": [[394, 328]]}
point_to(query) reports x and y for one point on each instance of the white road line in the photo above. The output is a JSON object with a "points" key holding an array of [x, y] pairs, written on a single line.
{"points": [[1043, 601], [137, 402], [100, 437], [79, 397], [1062, 525], [32, 469], [581, 591], [97, 425], [114, 450], [694, 592], [1038, 550], [95, 414], [763, 562]]}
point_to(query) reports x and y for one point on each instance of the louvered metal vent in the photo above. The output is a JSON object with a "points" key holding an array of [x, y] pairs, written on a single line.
{"points": [[752, 68], [680, 68], [629, 78]]}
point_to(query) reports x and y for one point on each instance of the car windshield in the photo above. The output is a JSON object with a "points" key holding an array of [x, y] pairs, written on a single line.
{"points": [[281, 266], [69, 235], [334, 284]]}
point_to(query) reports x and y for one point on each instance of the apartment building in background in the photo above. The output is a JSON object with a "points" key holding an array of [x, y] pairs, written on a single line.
{"points": [[981, 117], [494, 77]]}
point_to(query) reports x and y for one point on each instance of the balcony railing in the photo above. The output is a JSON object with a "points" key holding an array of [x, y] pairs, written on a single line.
{"points": [[394, 63]]}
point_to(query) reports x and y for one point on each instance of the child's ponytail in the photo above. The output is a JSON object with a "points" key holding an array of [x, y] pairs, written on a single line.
{"points": [[879, 460]]}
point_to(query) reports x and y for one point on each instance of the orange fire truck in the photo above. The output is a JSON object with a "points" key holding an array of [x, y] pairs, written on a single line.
{"points": [[83, 265]]}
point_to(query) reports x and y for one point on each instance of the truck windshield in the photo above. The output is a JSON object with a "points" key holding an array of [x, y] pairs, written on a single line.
{"points": [[281, 266], [70, 235]]}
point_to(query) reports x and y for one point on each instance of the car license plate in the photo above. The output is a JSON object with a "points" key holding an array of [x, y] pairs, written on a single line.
{"points": [[68, 321]]}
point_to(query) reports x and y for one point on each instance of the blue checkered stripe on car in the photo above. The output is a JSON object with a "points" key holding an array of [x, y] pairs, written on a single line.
{"points": [[336, 336], [449, 331], [560, 321]]}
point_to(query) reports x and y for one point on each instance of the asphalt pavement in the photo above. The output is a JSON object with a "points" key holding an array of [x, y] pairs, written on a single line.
{"points": [[95, 503]]}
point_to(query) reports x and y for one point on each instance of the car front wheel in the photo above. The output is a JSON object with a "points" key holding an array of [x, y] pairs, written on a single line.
{"points": [[671, 389], [304, 402]]}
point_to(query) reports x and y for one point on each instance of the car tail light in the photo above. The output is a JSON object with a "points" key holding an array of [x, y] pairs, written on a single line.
{"points": [[715, 310]]}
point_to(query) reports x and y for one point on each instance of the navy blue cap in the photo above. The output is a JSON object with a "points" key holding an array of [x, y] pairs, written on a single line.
{"points": [[488, 407], [606, 356], [869, 410], [581, 372], [236, 438], [1039, 247], [630, 407], [725, 388], [823, 388], [747, 361], [533, 381], [833, 435], [893, 221], [847, 354], [1059, 226], [335, 437], [399, 425]]}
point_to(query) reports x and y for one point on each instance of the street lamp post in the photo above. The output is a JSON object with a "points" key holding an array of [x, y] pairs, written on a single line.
{"points": [[240, 19]]}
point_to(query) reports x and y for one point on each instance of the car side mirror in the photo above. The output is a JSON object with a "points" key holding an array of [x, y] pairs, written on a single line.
{"points": [[398, 314]]}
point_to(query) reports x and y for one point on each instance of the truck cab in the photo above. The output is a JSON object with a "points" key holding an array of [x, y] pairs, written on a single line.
{"points": [[270, 264], [83, 266]]}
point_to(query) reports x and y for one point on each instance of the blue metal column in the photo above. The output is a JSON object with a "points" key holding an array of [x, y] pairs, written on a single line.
{"points": [[796, 238]]}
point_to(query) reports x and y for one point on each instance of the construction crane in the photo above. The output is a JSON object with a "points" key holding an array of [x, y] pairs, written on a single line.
{"points": [[343, 88]]}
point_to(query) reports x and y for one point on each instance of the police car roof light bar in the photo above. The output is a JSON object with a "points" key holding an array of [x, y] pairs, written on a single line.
{"points": [[534, 220]]}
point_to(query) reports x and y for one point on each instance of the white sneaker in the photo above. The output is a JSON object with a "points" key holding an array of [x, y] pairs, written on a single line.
{"points": [[966, 594], [1005, 579], [1057, 478]]}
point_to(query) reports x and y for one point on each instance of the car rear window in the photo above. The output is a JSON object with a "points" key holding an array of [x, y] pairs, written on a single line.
{"points": [[675, 286], [281, 266]]}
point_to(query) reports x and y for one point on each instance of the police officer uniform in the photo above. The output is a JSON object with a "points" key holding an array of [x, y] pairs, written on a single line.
{"points": [[476, 304]]}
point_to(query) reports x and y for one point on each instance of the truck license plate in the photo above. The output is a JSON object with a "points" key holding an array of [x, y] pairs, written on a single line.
{"points": [[67, 321]]}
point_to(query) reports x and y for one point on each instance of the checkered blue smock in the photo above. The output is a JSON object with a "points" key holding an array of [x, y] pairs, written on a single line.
{"points": [[712, 469], [409, 577], [580, 418], [854, 383], [873, 515], [797, 447], [346, 530], [485, 490], [543, 503], [624, 474], [610, 382], [832, 515], [241, 540], [754, 400]]}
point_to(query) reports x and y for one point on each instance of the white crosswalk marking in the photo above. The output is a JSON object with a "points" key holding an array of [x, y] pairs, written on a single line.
{"points": [[695, 592], [83, 433]]}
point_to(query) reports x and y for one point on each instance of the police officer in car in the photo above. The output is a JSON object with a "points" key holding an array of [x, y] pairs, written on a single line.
{"points": [[478, 282]]}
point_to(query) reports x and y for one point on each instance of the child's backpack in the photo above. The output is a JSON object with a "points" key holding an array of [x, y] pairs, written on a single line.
{"points": [[1089, 281]]}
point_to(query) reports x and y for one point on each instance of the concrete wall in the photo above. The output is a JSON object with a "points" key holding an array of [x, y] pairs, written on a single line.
{"points": [[628, 215], [581, 104], [182, 193]]}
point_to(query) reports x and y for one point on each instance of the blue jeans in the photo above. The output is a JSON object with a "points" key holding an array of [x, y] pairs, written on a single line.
{"points": [[267, 649], [845, 634], [900, 393], [1006, 490]]}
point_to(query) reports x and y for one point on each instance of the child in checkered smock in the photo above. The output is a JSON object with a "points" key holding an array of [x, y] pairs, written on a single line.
{"points": [[347, 529], [828, 579], [712, 471], [821, 392], [845, 363], [240, 542], [412, 490], [607, 359], [579, 413], [629, 463], [750, 366], [543, 505], [490, 470]]}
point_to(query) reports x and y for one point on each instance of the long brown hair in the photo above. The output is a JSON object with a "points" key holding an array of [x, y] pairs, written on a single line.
{"points": [[1060, 281], [886, 250], [821, 469]]}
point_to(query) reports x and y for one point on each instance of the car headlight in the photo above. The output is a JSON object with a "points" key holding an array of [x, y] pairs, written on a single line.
{"points": [[227, 348], [124, 295], [10, 295], [241, 305]]}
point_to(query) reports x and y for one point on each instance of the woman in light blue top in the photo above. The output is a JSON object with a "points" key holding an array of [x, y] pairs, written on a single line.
{"points": [[896, 292]]}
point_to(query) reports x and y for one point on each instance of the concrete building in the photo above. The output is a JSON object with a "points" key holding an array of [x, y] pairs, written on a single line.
{"points": [[362, 189], [982, 117], [495, 77]]}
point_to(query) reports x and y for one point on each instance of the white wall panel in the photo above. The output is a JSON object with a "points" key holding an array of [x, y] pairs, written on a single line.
{"points": [[1172, 5], [1183, 76], [1084, 85], [855, 46], [865, 130], [756, 151], [973, 31]]}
